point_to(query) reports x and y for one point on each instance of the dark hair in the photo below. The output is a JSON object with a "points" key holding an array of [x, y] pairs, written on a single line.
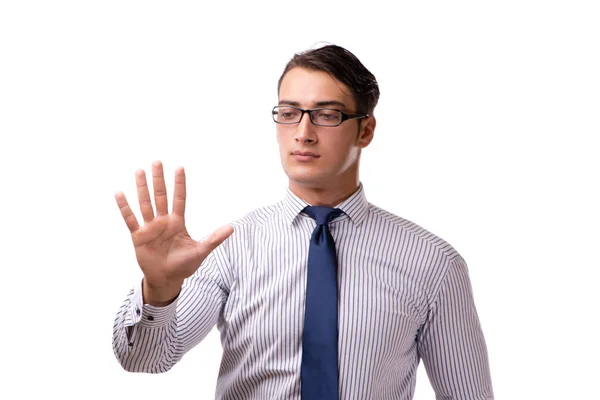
{"points": [[343, 66]]}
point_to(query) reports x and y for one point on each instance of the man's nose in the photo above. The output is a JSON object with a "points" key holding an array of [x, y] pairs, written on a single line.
{"points": [[305, 130]]}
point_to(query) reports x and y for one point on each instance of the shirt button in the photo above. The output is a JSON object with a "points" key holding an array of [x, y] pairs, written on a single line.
{"points": [[137, 311], [150, 318]]}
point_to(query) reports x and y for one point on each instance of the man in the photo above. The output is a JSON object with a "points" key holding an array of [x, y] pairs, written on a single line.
{"points": [[320, 296]]}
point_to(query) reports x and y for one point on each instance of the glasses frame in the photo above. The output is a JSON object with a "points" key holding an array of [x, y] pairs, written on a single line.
{"points": [[345, 116]]}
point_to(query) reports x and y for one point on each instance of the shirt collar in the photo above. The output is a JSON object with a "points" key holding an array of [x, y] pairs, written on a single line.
{"points": [[355, 206]]}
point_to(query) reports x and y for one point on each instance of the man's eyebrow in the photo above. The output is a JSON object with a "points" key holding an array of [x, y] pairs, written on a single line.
{"points": [[289, 103], [325, 103]]}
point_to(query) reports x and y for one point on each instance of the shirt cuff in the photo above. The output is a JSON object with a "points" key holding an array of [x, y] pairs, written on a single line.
{"points": [[147, 315]]}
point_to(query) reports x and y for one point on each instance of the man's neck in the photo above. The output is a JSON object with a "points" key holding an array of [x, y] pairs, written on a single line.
{"points": [[328, 197]]}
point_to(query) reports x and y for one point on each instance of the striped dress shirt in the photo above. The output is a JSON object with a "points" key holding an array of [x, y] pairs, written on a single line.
{"points": [[404, 296]]}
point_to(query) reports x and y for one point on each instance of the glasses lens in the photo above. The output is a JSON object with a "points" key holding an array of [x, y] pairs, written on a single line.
{"points": [[326, 117], [286, 115]]}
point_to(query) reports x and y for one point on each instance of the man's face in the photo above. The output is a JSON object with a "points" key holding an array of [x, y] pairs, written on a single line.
{"points": [[314, 156]]}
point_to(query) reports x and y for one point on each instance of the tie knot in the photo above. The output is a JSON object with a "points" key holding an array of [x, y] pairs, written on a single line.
{"points": [[323, 215]]}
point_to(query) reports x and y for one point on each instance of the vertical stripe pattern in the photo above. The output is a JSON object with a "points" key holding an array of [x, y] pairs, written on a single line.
{"points": [[404, 295]]}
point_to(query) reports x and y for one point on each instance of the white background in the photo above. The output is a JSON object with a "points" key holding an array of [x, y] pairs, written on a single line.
{"points": [[487, 136]]}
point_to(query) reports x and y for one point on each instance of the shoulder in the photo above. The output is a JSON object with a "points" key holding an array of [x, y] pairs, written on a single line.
{"points": [[423, 256], [410, 232], [247, 232], [259, 217]]}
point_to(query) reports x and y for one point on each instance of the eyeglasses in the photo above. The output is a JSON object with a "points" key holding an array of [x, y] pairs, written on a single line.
{"points": [[318, 116]]}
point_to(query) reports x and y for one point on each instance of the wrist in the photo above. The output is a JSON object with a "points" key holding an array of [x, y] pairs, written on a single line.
{"points": [[160, 295]]}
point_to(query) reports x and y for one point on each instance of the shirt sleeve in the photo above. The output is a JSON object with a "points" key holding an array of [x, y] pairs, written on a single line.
{"points": [[153, 339], [451, 342]]}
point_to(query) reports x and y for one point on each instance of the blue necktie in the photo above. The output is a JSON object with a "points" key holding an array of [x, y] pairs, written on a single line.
{"points": [[319, 374]]}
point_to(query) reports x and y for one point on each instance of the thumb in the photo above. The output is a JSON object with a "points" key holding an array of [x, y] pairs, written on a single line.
{"points": [[214, 240]]}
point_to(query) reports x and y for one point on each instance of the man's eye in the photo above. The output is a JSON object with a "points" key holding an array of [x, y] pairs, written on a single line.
{"points": [[328, 116], [287, 114]]}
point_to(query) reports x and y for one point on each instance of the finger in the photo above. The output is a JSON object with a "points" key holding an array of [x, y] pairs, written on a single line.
{"points": [[126, 212], [144, 196], [160, 190], [214, 240], [179, 192]]}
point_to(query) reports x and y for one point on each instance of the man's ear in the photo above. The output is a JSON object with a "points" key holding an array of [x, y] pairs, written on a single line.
{"points": [[366, 132]]}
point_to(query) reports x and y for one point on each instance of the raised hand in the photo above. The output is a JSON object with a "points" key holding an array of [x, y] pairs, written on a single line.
{"points": [[164, 250]]}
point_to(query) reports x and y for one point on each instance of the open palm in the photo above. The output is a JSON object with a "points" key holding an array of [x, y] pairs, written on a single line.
{"points": [[164, 250]]}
